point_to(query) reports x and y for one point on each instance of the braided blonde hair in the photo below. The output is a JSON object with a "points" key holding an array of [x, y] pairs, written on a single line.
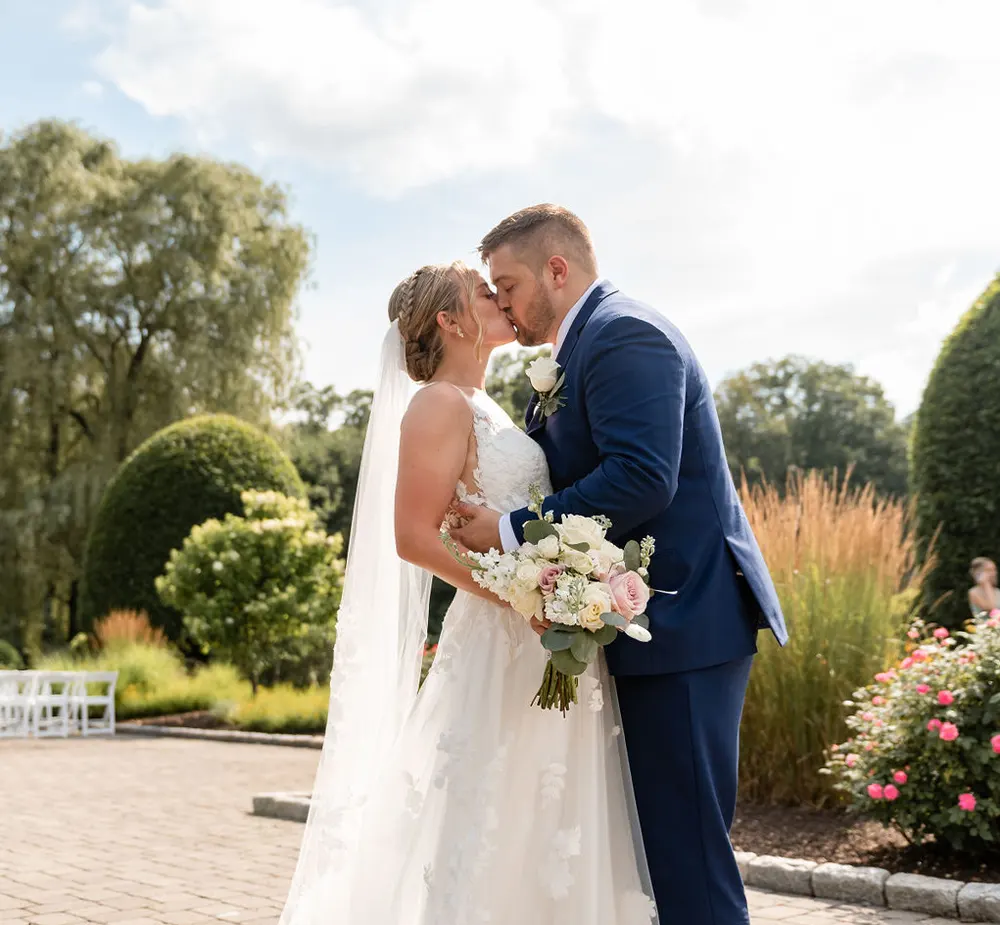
{"points": [[415, 304]]}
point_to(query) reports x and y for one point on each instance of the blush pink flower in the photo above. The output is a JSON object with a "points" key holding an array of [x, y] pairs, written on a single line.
{"points": [[919, 656], [995, 742], [890, 793], [868, 716], [869, 746], [875, 791], [941, 633], [934, 725], [914, 633], [993, 622], [878, 701], [884, 677], [966, 802], [629, 594], [923, 689], [900, 777], [995, 612], [853, 759], [945, 698], [949, 732], [906, 663], [547, 578]]}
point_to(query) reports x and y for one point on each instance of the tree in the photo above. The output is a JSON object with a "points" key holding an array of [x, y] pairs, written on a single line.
{"points": [[249, 586], [132, 293], [956, 457], [507, 382], [811, 415], [187, 473]]}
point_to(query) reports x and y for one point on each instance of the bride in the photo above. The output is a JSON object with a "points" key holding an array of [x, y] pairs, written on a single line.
{"points": [[460, 804]]}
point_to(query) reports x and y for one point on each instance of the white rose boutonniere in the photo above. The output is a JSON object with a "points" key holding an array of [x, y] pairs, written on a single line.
{"points": [[546, 379]]}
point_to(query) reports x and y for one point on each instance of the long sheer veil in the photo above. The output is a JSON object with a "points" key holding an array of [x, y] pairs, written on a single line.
{"points": [[381, 629]]}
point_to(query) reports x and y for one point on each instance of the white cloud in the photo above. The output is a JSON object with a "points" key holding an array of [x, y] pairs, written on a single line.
{"points": [[92, 88], [778, 175]]}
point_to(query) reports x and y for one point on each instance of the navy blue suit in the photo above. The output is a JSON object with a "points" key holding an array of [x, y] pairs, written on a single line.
{"points": [[638, 440]]}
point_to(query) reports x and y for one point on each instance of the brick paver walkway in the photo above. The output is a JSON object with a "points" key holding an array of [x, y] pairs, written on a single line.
{"points": [[140, 831]]}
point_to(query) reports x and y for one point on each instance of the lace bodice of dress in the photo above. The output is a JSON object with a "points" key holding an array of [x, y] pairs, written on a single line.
{"points": [[510, 462]]}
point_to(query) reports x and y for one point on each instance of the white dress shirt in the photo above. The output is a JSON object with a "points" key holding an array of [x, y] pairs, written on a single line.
{"points": [[507, 538]]}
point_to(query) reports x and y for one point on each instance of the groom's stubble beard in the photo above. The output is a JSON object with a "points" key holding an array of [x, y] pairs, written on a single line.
{"points": [[539, 320]]}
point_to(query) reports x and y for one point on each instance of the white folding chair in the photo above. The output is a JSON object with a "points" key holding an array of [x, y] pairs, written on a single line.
{"points": [[17, 689], [51, 703], [103, 700]]}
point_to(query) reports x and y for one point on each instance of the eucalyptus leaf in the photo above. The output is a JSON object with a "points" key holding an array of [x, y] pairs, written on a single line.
{"points": [[605, 635], [642, 620], [584, 648], [557, 639], [566, 663], [536, 530], [579, 547], [633, 556], [614, 619]]}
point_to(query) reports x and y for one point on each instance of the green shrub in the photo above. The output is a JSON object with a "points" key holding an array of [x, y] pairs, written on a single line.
{"points": [[283, 709], [210, 687], [843, 565], [10, 658], [250, 587], [182, 476], [925, 751], [142, 669], [304, 660], [956, 457]]}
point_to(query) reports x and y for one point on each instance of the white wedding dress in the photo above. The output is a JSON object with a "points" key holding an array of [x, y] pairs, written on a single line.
{"points": [[486, 809]]}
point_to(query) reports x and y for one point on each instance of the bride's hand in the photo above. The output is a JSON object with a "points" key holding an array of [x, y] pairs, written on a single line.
{"points": [[539, 626], [481, 530]]}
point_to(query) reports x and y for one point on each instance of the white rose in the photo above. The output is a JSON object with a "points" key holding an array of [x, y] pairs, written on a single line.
{"points": [[578, 561], [575, 530], [596, 603], [543, 373], [611, 553], [549, 547], [527, 574], [527, 603]]}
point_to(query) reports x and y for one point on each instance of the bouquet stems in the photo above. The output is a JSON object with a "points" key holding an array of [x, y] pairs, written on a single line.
{"points": [[557, 690]]}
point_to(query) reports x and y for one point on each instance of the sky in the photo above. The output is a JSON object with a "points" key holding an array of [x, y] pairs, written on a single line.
{"points": [[773, 175]]}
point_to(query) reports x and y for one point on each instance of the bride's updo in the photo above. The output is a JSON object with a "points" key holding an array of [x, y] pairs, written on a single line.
{"points": [[415, 304]]}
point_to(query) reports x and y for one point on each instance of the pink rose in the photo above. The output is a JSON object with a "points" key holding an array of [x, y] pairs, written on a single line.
{"points": [[875, 791], [941, 633], [878, 701], [995, 612], [900, 777], [906, 663], [967, 802], [629, 594], [884, 677], [946, 698], [852, 759], [868, 716], [934, 725], [995, 742], [869, 746], [547, 578], [923, 689], [920, 656], [949, 732], [993, 622], [890, 792], [914, 633]]}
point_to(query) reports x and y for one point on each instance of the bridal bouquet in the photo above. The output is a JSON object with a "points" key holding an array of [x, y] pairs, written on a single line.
{"points": [[569, 574]]}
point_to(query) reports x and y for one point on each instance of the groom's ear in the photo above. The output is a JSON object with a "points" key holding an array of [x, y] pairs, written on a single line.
{"points": [[558, 267]]}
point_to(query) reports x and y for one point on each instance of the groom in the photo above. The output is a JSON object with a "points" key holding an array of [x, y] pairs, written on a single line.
{"points": [[633, 434]]}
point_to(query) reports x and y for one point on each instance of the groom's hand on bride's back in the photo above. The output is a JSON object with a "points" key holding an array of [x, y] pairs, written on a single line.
{"points": [[480, 530]]}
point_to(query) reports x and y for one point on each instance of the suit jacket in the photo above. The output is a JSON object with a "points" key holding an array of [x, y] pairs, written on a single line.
{"points": [[638, 440]]}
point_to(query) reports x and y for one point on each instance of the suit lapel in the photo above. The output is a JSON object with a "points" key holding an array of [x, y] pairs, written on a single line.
{"points": [[534, 420]]}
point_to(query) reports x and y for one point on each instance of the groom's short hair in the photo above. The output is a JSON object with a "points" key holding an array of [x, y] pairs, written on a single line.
{"points": [[538, 232]]}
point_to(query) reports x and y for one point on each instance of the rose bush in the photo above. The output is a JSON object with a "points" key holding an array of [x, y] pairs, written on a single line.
{"points": [[925, 751]]}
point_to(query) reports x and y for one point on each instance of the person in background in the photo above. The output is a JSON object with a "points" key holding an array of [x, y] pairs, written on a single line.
{"points": [[984, 595]]}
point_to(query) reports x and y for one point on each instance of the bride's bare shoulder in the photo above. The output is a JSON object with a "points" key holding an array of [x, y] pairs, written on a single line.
{"points": [[437, 407]]}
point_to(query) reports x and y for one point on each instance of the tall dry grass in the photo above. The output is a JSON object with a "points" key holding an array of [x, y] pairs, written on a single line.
{"points": [[844, 563], [128, 628]]}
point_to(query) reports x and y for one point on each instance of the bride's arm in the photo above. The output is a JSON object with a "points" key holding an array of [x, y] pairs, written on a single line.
{"points": [[433, 450]]}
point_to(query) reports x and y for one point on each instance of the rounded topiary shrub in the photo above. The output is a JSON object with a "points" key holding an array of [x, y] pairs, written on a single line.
{"points": [[10, 658], [180, 477], [956, 458]]}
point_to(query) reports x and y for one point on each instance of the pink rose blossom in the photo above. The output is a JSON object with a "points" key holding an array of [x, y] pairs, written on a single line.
{"points": [[995, 742], [629, 594], [852, 759], [884, 677], [934, 725], [875, 791], [906, 663], [967, 802], [869, 746], [868, 716], [920, 656], [900, 777], [949, 732], [923, 689], [941, 633], [914, 633], [945, 698], [995, 612], [878, 701], [547, 578], [993, 622], [890, 792]]}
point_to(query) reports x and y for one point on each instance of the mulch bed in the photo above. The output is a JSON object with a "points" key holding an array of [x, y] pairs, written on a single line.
{"points": [[821, 835], [832, 836]]}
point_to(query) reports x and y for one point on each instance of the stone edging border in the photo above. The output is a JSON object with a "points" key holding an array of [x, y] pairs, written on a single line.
{"points": [[222, 735], [869, 886], [872, 886]]}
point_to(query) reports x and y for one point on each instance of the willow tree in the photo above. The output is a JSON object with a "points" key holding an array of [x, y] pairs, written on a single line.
{"points": [[132, 293]]}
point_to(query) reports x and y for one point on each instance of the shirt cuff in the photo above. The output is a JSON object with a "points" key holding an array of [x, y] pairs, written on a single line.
{"points": [[507, 537]]}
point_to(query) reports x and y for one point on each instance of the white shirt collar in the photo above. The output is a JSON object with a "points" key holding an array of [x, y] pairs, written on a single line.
{"points": [[571, 317]]}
